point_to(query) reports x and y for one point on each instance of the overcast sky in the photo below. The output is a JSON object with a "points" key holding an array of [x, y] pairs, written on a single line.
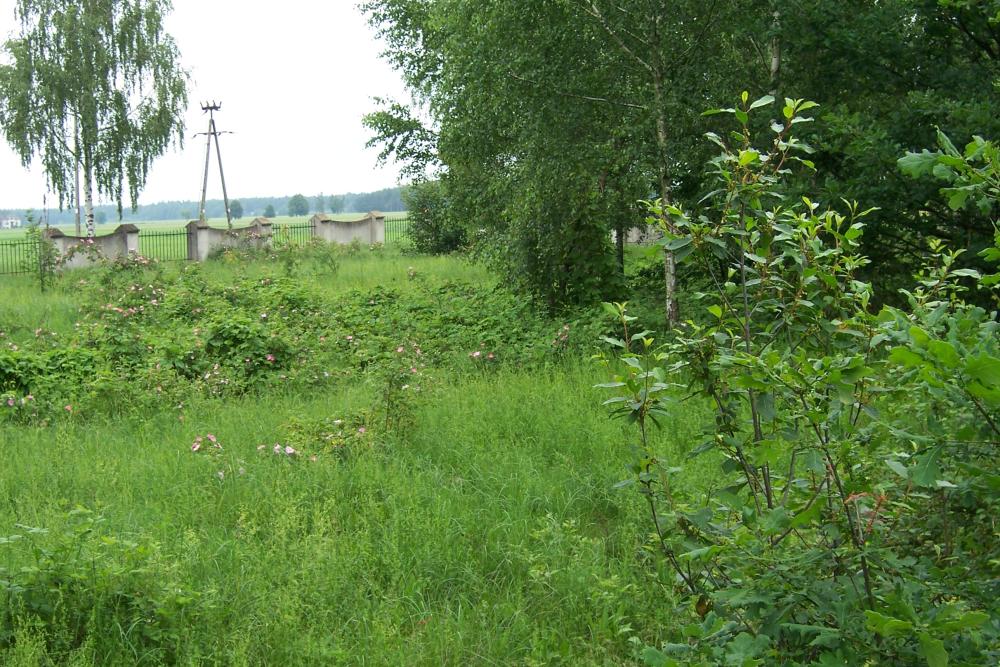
{"points": [[294, 78]]}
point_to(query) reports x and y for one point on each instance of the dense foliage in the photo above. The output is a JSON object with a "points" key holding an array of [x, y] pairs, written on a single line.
{"points": [[551, 119], [852, 518], [298, 205], [433, 227], [143, 336]]}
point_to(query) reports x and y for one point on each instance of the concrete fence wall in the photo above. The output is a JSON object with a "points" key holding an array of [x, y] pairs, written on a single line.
{"points": [[119, 243], [202, 239], [369, 229]]}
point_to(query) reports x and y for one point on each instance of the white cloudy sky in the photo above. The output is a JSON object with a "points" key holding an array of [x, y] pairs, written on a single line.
{"points": [[294, 78]]}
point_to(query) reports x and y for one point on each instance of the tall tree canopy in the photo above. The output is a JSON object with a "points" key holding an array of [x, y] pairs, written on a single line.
{"points": [[550, 119], [934, 63], [553, 119], [298, 205], [94, 85]]}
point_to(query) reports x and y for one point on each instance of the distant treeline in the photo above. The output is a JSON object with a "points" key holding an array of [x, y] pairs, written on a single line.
{"points": [[389, 199]]}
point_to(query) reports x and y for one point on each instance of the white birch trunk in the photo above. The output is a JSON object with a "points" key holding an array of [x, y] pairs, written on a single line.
{"points": [[88, 199], [76, 174], [776, 53]]}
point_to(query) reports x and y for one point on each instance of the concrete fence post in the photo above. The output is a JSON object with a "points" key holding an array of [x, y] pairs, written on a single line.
{"points": [[131, 240], [197, 240], [376, 222]]}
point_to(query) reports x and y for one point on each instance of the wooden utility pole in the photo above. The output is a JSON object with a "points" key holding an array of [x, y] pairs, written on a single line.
{"points": [[210, 108]]}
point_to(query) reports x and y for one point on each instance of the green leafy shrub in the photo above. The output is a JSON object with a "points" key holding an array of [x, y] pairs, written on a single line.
{"points": [[433, 227], [77, 582], [848, 524], [147, 338]]}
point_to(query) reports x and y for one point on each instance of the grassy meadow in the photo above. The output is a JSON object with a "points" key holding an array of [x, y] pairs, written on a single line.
{"points": [[424, 476]]}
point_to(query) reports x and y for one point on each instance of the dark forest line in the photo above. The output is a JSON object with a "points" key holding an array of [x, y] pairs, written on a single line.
{"points": [[387, 199]]}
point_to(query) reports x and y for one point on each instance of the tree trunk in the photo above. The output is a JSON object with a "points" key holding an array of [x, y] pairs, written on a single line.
{"points": [[76, 173], [76, 201], [620, 232], [88, 197], [669, 264], [775, 53]]}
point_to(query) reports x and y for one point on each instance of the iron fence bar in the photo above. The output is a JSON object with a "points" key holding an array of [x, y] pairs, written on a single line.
{"points": [[165, 246], [18, 257], [397, 228]]}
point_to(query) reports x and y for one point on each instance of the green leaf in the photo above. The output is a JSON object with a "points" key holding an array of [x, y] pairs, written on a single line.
{"points": [[920, 164], [943, 172], [984, 368], [989, 394], [944, 353], [957, 197], [933, 651], [813, 461], [655, 658], [906, 357], [945, 143], [678, 243], [927, 471], [762, 102], [886, 626], [767, 451], [765, 406], [748, 156], [807, 516], [919, 336], [703, 552], [898, 468], [967, 621], [716, 310], [775, 521]]}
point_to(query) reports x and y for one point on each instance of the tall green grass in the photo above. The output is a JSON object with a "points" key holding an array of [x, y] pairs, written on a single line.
{"points": [[23, 309], [484, 530]]}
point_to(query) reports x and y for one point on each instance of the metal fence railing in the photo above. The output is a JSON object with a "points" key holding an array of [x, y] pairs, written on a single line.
{"points": [[295, 232], [397, 228], [166, 246], [18, 256]]}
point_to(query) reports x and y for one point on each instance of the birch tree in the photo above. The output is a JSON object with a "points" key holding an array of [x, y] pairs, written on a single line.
{"points": [[93, 85], [561, 115]]}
